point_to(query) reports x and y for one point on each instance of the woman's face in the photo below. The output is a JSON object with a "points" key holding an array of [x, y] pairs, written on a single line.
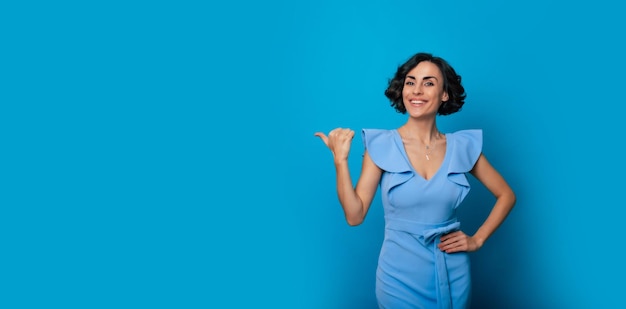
{"points": [[423, 93]]}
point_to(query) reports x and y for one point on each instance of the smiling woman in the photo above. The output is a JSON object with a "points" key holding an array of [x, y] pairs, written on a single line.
{"points": [[423, 262]]}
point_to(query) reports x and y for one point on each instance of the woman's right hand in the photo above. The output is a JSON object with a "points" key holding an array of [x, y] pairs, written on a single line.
{"points": [[338, 141]]}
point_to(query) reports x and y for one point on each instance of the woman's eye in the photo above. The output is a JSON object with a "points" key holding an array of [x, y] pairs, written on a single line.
{"points": [[409, 83], [429, 84]]}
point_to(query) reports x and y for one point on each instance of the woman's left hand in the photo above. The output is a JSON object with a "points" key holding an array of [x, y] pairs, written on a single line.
{"points": [[458, 242]]}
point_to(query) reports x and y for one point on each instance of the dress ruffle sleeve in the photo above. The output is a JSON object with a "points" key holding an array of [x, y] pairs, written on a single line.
{"points": [[385, 149], [466, 148]]}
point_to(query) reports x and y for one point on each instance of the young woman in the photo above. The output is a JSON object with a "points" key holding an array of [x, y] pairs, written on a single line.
{"points": [[424, 260]]}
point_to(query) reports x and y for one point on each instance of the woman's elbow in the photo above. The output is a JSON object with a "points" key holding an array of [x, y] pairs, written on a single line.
{"points": [[511, 197], [354, 220], [506, 197]]}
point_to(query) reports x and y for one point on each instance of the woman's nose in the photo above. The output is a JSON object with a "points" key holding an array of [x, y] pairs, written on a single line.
{"points": [[417, 89]]}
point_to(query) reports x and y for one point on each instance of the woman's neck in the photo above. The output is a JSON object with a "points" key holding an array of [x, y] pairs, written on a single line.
{"points": [[424, 131]]}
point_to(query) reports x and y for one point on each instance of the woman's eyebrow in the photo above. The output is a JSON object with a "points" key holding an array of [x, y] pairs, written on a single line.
{"points": [[425, 77]]}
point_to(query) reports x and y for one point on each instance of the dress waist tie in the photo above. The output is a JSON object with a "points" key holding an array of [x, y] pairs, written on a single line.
{"points": [[430, 235]]}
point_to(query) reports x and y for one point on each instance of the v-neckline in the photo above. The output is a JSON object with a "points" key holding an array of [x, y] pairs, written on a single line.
{"points": [[408, 161]]}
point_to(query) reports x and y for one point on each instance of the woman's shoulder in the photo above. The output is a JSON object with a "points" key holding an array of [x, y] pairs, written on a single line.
{"points": [[464, 139], [378, 137], [384, 146], [376, 132], [465, 147], [373, 136], [468, 134]]}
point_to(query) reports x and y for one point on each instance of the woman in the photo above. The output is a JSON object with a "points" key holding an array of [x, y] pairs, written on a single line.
{"points": [[424, 260]]}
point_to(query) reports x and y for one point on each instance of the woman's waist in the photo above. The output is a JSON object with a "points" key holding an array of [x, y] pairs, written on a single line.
{"points": [[420, 227]]}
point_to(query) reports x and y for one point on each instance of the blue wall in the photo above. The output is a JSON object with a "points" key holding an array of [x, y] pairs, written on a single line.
{"points": [[161, 154]]}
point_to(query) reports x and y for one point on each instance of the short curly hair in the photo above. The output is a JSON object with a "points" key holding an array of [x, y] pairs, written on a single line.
{"points": [[451, 84]]}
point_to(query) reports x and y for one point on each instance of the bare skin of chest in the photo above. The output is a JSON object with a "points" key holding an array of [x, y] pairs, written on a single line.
{"points": [[425, 162]]}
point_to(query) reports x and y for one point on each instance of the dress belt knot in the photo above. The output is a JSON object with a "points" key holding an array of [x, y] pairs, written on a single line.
{"points": [[430, 235]]}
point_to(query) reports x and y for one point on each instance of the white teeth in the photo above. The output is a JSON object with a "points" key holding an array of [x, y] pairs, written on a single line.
{"points": [[416, 102]]}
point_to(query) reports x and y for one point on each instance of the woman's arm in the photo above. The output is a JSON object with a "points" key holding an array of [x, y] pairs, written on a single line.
{"points": [[505, 200], [354, 201]]}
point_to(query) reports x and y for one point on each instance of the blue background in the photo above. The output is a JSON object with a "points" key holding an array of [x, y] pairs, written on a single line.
{"points": [[161, 154]]}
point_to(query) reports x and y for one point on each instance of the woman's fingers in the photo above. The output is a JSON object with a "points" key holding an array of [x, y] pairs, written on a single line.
{"points": [[323, 137], [341, 134], [338, 141], [457, 242], [338, 136], [453, 242]]}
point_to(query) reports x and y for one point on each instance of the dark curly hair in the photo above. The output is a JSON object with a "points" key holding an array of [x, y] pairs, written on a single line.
{"points": [[451, 84]]}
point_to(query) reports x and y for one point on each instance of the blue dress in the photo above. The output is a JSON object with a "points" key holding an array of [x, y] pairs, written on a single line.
{"points": [[412, 272]]}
